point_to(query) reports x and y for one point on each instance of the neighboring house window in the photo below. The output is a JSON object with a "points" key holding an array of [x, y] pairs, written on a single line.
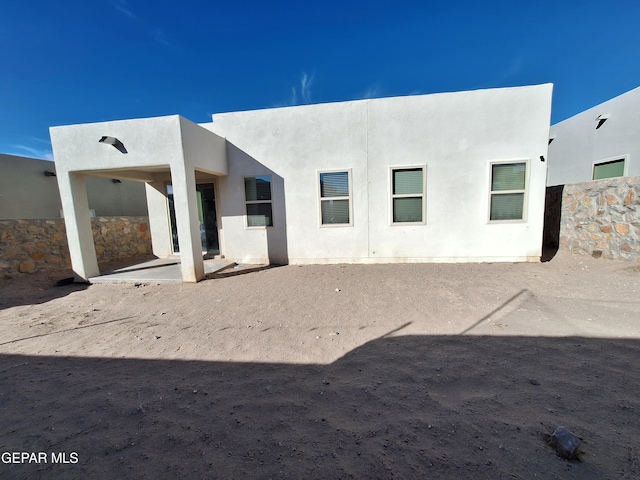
{"points": [[613, 168], [407, 195], [335, 198], [508, 183], [257, 192]]}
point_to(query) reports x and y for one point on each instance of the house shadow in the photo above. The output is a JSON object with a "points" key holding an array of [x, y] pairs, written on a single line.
{"points": [[397, 407], [552, 220], [274, 246], [33, 289], [232, 272], [27, 289]]}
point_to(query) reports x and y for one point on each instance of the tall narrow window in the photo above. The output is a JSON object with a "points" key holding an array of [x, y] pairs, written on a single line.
{"points": [[335, 198], [508, 182], [257, 192], [613, 168], [407, 195]]}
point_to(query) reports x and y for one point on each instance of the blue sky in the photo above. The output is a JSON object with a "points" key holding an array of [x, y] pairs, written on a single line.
{"points": [[79, 61]]}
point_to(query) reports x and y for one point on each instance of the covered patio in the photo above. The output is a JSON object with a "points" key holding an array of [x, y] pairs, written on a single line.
{"points": [[159, 270], [158, 151]]}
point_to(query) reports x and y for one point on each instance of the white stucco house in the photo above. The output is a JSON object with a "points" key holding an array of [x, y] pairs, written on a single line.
{"points": [[451, 177], [598, 143]]}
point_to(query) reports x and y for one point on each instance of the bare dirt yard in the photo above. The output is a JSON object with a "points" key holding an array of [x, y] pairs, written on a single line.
{"points": [[337, 371]]}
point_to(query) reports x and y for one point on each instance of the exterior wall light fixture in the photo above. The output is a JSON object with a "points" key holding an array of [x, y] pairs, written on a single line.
{"points": [[601, 119], [115, 142], [49, 173]]}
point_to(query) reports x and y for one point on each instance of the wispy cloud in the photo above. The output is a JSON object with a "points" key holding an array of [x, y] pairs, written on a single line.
{"points": [[305, 87], [123, 7], [373, 91], [154, 32], [23, 150], [301, 93], [506, 75], [159, 36]]}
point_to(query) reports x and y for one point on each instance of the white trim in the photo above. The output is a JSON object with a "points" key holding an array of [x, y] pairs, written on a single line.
{"points": [[423, 167], [625, 169], [525, 191], [321, 199], [255, 202]]}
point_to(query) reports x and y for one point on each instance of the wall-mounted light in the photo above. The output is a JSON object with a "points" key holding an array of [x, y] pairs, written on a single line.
{"points": [[601, 119], [115, 142], [49, 173], [551, 139], [115, 180]]}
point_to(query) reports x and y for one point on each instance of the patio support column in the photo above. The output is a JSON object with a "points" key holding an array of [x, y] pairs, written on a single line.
{"points": [[75, 204], [185, 199], [159, 223]]}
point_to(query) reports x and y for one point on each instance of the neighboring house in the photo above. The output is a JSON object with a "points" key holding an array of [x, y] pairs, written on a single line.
{"points": [[29, 190], [598, 143], [451, 177]]}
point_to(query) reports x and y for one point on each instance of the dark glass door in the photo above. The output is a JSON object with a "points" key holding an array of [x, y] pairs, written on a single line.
{"points": [[206, 215]]}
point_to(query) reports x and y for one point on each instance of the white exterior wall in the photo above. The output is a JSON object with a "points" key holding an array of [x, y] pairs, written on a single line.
{"points": [[577, 144], [456, 136]]}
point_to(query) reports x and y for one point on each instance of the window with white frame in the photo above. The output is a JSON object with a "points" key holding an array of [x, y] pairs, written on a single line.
{"points": [[508, 188], [608, 169], [407, 195], [257, 192], [335, 198]]}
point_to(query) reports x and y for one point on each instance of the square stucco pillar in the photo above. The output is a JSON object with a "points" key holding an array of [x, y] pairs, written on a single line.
{"points": [[75, 204], [159, 222], [185, 201]]}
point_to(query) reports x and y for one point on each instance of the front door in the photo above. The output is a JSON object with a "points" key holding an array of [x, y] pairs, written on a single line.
{"points": [[206, 215]]}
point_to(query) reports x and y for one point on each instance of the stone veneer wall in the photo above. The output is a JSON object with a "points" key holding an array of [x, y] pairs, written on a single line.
{"points": [[28, 246], [602, 218]]}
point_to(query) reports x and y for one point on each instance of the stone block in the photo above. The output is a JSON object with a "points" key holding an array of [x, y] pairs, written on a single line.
{"points": [[629, 198], [37, 255], [622, 228], [27, 267], [606, 228]]}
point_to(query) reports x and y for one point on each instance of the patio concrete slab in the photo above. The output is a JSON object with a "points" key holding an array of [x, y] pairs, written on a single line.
{"points": [[159, 270]]}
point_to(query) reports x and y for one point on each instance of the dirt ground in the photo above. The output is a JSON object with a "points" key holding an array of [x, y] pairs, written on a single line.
{"points": [[336, 371]]}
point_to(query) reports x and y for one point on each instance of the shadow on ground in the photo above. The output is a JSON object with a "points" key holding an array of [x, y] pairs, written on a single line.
{"points": [[42, 287], [397, 407], [38, 289]]}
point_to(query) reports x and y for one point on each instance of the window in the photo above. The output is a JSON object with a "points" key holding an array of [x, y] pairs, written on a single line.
{"points": [[335, 198], [508, 182], [613, 168], [407, 195], [257, 192]]}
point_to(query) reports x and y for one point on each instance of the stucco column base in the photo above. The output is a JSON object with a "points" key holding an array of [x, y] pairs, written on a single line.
{"points": [[185, 201], [75, 204]]}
